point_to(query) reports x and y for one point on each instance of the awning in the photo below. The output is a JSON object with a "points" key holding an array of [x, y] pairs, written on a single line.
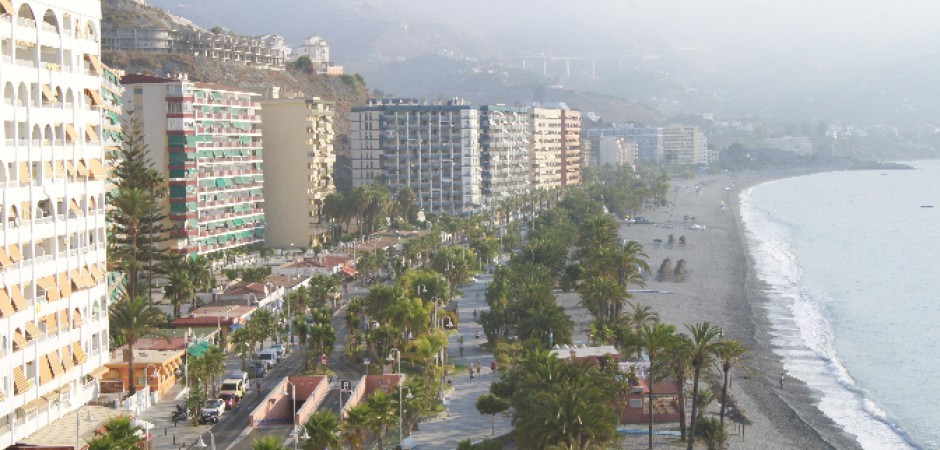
{"points": [[24, 172], [350, 271], [45, 371], [78, 353], [48, 284], [81, 168], [51, 326], [73, 205], [64, 319], [67, 358], [76, 319], [90, 133], [14, 252], [97, 169], [87, 279], [7, 7], [95, 64], [32, 406], [59, 166], [55, 364], [32, 331], [76, 277], [96, 272], [6, 306], [48, 93], [20, 383], [99, 372], [65, 285], [4, 258], [19, 342], [17, 296], [70, 132]]}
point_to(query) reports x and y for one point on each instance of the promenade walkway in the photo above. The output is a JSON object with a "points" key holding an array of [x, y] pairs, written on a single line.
{"points": [[462, 420]]}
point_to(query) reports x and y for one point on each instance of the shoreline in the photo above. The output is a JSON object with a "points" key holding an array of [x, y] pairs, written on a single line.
{"points": [[721, 287]]}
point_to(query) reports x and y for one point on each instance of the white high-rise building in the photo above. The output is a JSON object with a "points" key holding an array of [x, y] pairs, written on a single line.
{"points": [[53, 287]]}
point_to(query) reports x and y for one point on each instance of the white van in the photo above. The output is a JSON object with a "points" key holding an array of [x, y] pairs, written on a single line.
{"points": [[268, 357]]}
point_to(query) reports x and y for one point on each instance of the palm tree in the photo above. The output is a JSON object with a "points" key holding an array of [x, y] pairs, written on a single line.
{"points": [[133, 317], [382, 414], [703, 337], [679, 358], [323, 428], [209, 365], [118, 434], [728, 352], [180, 287], [262, 325], [602, 296], [241, 341], [712, 432], [355, 426], [267, 443], [638, 317], [656, 338]]}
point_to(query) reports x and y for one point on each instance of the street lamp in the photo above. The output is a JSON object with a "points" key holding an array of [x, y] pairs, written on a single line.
{"points": [[78, 424], [299, 435], [202, 444], [400, 385]]}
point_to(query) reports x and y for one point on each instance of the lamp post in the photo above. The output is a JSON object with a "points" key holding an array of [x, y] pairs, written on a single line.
{"points": [[400, 383], [202, 444], [302, 434], [78, 425]]}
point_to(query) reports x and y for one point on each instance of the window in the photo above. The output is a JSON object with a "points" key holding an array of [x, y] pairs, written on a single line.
{"points": [[636, 403]]}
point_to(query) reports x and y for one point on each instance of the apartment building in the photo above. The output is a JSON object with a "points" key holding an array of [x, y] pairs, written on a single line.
{"points": [[434, 149], [616, 151], [684, 145], [318, 51], [263, 52], [298, 148], [648, 140], [504, 151], [206, 140], [570, 147], [545, 148], [53, 288]]}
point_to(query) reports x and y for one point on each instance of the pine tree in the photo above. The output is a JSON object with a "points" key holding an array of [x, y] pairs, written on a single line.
{"points": [[136, 214]]}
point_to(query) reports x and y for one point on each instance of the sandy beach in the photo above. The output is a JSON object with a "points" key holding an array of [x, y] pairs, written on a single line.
{"points": [[720, 287]]}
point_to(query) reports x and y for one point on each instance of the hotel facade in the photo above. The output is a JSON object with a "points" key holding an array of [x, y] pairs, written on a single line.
{"points": [[53, 298]]}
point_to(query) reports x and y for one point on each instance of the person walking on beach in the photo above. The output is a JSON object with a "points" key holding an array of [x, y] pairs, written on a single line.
{"points": [[781, 381]]}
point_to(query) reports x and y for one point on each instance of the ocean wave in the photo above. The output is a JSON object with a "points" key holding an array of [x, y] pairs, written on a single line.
{"points": [[811, 357]]}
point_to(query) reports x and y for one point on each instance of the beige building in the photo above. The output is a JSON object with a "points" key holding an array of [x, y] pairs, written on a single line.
{"points": [[616, 151], [298, 152], [555, 148], [53, 287], [684, 145]]}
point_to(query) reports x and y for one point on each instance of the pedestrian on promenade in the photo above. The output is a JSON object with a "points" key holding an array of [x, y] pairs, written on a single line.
{"points": [[781, 381], [474, 315], [493, 365], [470, 371], [479, 367], [461, 348]]}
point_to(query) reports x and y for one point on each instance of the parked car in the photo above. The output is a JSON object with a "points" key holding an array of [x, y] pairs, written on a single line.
{"points": [[641, 219], [279, 350], [231, 400], [257, 368], [213, 406]]}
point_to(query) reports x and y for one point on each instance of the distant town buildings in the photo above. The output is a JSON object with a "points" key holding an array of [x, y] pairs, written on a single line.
{"points": [[648, 140], [800, 145], [298, 148], [57, 110], [206, 140], [684, 145], [262, 52], [504, 151], [318, 51]]}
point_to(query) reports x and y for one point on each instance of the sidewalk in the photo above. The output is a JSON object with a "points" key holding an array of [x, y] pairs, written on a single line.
{"points": [[166, 436], [462, 420]]}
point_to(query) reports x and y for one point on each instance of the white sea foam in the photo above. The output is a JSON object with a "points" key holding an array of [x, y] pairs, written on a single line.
{"points": [[808, 351]]}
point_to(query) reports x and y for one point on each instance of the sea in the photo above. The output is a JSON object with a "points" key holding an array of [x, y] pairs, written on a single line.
{"points": [[851, 264]]}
